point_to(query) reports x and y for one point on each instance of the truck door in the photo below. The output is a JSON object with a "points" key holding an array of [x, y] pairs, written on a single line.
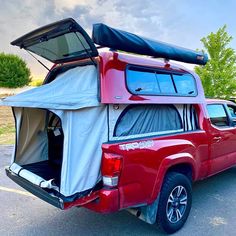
{"points": [[222, 138]]}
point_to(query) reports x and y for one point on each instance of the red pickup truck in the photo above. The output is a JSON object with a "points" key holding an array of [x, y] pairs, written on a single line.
{"points": [[111, 131]]}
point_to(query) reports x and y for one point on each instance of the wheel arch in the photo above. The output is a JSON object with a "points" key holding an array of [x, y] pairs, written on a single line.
{"points": [[183, 163], [183, 168]]}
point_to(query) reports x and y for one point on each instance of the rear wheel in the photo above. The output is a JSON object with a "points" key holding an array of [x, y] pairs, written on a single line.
{"points": [[175, 202]]}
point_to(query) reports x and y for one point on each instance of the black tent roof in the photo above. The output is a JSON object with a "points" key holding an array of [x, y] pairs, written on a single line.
{"points": [[121, 40]]}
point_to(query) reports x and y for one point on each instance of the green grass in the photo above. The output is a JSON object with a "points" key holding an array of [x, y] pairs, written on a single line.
{"points": [[7, 134], [6, 129]]}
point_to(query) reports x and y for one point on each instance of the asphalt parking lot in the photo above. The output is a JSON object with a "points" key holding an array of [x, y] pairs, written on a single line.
{"points": [[213, 211]]}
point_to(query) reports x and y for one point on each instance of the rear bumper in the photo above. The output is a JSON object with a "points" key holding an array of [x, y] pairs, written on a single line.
{"points": [[107, 202]]}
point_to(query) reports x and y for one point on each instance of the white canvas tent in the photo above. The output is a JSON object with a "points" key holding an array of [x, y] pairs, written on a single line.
{"points": [[72, 96]]}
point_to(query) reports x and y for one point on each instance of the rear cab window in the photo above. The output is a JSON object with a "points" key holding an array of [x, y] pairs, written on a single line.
{"points": [[149, 81]]}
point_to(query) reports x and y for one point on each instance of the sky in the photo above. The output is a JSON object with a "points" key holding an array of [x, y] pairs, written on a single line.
{"points": [[179, 22]]}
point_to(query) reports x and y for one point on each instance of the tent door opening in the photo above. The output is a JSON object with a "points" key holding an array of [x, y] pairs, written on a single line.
{"points": [[51, 168]]}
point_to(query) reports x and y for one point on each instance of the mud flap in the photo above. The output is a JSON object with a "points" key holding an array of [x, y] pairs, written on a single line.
{"points": [[146, 213]]}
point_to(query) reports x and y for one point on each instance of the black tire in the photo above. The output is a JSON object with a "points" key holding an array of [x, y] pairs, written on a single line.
{"points": [[173, 210]]}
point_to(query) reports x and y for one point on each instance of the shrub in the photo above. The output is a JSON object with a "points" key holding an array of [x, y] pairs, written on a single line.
{"points": [[14, 72]]}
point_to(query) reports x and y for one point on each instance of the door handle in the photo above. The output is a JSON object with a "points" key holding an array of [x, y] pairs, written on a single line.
{"points": [[217, 139]]}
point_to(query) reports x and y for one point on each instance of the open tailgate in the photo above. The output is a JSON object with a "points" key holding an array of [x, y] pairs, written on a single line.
{"points": [[44, 195]]}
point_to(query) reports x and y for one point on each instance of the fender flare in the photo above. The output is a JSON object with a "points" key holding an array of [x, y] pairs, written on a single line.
{"points": [[166, 164]]}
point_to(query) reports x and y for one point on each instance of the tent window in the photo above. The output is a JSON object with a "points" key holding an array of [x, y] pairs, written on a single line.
{"points": [[141, 119], [146, 81]]}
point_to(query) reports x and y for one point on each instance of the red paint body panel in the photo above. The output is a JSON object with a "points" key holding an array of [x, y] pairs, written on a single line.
{"points": [[143, 170], [108, 201]]}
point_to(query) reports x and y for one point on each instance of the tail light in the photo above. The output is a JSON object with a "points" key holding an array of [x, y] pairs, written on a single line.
{"points": [[111, 168]]}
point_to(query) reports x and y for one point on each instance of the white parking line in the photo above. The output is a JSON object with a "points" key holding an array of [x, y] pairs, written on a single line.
{"points": [[16, 191]]}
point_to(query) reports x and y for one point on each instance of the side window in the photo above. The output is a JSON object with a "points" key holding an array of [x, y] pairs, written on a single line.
{"points": [[143, 119], [218, 115], [142, 82], [165, 83], [185, 84], [146, 81]]}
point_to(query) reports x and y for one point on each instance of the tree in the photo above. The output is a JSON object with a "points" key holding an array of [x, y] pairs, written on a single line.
{"points": [[13, 71], [219, 74]]}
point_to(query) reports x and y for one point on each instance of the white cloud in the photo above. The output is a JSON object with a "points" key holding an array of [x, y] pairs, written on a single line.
{"points": [[17, 19], [60, 5], [168, 21], [128, 15]]}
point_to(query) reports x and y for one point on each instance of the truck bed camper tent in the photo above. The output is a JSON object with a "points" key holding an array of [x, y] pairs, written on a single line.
{"points": [[64, 112], [61, 125]]}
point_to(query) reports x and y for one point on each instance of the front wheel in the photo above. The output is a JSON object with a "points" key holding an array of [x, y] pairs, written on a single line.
{"points": [[175, 202]]}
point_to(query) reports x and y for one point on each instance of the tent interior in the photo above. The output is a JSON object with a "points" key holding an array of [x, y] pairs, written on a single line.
{"points": [[51, 167]]}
